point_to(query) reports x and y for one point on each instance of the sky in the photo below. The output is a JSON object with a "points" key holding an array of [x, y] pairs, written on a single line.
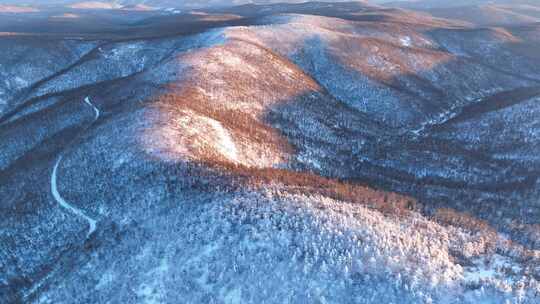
{"points": [[210, 3], [154, 2]]}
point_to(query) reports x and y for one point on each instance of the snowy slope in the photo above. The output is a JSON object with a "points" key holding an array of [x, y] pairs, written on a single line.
{"points": [[378, 156]]}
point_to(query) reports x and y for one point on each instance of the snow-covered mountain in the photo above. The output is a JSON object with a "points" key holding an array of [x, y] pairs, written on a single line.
{"points": [[481, 13], [213, 3], [297, 153], [428, 4]]}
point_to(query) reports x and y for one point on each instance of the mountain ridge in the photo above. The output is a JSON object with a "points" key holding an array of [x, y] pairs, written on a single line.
{"points": [[306, 152]]}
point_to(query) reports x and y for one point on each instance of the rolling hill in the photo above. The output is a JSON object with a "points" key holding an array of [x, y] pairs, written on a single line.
{"points": [[303, 153]]}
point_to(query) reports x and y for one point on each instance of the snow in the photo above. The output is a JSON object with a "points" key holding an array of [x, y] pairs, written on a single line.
{"points": [[123, 50], [3, 104], [309, 160], [302, 243], [106, 279], [151, 291], [231, 61], [233, 296], [96, 110], [172, 10], [148, 294], [223, 142], [21, 83], [38, 285], [189, 135], [121, 160], [490, 269], [58, 197], [405, 41]]}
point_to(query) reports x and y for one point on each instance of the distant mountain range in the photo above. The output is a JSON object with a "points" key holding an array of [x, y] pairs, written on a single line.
{"points": [[111, 4], [149, 3], [427, 4]]}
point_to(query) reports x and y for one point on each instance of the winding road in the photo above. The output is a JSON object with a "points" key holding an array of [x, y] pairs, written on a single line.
{"points": [[92, 223]]}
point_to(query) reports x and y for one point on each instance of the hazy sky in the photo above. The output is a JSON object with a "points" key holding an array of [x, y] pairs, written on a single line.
{"points": [[178, 3], [169, 2], [155, 3]]}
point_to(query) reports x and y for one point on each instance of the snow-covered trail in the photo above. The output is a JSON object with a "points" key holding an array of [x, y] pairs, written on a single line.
{"points": [[54, 184], [96, 110]]}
